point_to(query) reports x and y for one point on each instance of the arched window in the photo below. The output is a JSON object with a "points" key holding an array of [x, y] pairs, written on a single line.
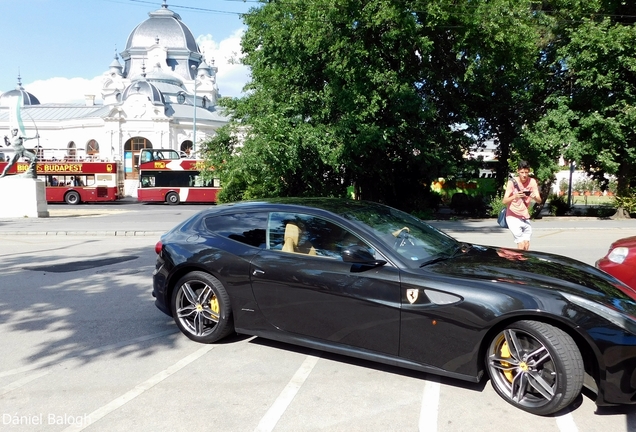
{"points": [[92, 148], [131, 155]]}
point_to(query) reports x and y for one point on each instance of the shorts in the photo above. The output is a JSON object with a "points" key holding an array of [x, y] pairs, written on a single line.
{"points": [[520, 228]]}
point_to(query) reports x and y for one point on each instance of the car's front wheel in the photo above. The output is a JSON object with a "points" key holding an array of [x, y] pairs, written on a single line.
{"points": [[535, 366], [201, 308]]}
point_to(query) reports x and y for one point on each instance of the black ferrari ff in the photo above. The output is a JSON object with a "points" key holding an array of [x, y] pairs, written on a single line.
{"points": [[369, 281]]}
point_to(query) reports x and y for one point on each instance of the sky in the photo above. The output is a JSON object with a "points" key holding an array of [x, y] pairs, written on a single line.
{"points": [[61, 48]]}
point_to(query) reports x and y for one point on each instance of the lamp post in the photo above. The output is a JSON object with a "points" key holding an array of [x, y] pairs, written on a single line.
{"points": [[194, 118]]}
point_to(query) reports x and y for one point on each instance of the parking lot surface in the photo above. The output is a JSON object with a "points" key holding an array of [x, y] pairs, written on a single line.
{"points": [[84, 348]]}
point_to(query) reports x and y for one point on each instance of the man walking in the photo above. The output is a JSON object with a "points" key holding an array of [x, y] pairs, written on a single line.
{"points": [[520, 192]]}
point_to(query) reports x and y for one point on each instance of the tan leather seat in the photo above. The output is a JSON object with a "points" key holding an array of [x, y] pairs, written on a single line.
{"points": [[292, 239], [292, 235]]}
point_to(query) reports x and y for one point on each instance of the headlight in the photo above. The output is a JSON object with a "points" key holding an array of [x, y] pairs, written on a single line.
{"points": [[618, 255], [609, 314]]}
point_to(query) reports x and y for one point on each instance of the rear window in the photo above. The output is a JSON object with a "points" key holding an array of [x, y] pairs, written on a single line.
{"points": [[246, 228]]}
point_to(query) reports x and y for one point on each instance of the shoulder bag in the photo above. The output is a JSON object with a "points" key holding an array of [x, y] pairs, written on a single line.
{"points": [[501, 219]]}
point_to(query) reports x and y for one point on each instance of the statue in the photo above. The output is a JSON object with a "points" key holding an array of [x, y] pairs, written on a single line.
{"points": [[16, 142]]}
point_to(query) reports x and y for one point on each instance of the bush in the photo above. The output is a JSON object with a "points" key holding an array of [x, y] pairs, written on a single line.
{"points": [[600, 211], [462, 203], [558, 206], [627, 201], [426, 214], [495, 205]]}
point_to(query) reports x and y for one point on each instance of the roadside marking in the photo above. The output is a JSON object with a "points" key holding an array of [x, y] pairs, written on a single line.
{"points": [[19, 383], [89, 352], [138, 390], [430, 405], [268, 422], [565, 423]]}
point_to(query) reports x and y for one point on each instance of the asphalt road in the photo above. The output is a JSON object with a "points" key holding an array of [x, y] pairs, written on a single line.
{"points": [[84, 348]]}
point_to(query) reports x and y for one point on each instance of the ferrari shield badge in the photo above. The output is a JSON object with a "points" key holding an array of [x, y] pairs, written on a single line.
{"points": [[412, 294]]}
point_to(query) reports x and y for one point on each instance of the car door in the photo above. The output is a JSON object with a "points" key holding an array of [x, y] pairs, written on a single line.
{"points": [[302, 286]]}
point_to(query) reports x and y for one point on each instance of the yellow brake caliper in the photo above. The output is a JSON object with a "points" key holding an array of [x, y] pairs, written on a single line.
{"points": [[505, 353], [214, 305]]}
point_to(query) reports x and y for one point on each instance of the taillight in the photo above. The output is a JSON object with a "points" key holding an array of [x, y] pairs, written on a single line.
{"points": [[158, 247]]}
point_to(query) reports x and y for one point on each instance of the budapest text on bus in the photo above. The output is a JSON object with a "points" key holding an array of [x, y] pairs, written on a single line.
{"points": [[74, 182]]}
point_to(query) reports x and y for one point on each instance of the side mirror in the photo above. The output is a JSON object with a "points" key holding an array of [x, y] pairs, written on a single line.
{"points": [[360, 255]]}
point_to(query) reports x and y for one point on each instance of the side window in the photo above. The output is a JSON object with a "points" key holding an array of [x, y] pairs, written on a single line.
{"points": [[311, 235], [246, 228]]}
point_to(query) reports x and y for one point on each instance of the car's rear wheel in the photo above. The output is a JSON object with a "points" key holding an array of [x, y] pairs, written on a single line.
{"points": [[535, 366], [201, 308], [172, 198]]}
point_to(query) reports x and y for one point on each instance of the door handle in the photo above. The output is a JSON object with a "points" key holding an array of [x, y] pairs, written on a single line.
{"points": [[258, 272]]}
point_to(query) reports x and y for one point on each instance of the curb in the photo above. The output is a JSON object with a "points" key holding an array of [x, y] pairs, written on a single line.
{"points": [[85, 233]]}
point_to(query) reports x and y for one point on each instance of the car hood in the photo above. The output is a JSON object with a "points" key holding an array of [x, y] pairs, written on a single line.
{"points": [[628, 242], [533, 270]]}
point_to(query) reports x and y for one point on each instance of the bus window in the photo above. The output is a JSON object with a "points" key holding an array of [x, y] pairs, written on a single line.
{"points": [[146, 156], [147, 181], [104, 178]]}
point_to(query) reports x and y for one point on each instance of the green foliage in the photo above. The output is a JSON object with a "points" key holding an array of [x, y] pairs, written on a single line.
{"points": [[482, 187], [462, 203], [600, 64], [558, 205], [627, 200], [495, 205], [370, 96], [426, 214]]}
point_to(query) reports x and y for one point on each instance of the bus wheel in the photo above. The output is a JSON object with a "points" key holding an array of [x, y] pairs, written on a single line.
{"points": [[172, 198], [72, 198]]}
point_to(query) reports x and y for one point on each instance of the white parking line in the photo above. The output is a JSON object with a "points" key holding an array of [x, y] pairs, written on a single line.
{"points": [[430, 405], [139, 389], [19, 383], [565, 423], [268, 422]]}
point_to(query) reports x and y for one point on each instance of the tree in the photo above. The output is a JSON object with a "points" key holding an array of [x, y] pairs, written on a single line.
{"points": [[595, 115], [602, 62], [388, 95], [334, 101]]}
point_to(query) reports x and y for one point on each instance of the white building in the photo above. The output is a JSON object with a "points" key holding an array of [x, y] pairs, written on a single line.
{"points": [[149, 102]]}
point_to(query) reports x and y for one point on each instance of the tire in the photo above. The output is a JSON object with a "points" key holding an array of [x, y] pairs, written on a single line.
{"points": [[72, 198], [201, 308], [172, 198], [535, 367]]}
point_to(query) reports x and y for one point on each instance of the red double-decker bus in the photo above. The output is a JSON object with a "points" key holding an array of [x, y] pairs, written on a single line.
{"points": [[165, 177], [77, 182]]}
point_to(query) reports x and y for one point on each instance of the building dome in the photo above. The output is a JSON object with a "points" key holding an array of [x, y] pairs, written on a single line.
{"points": [[27, 98], [157, 74], [163, 25], [145, 88]]}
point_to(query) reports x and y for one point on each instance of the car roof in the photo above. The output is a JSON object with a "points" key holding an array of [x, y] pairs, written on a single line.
{"points": [[334, 205]]}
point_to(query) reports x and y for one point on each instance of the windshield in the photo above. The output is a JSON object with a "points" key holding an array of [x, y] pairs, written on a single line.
{"points": [[414, 240]]}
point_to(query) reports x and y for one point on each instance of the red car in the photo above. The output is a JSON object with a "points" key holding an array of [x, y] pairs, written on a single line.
{"points": [[620, 261]]}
